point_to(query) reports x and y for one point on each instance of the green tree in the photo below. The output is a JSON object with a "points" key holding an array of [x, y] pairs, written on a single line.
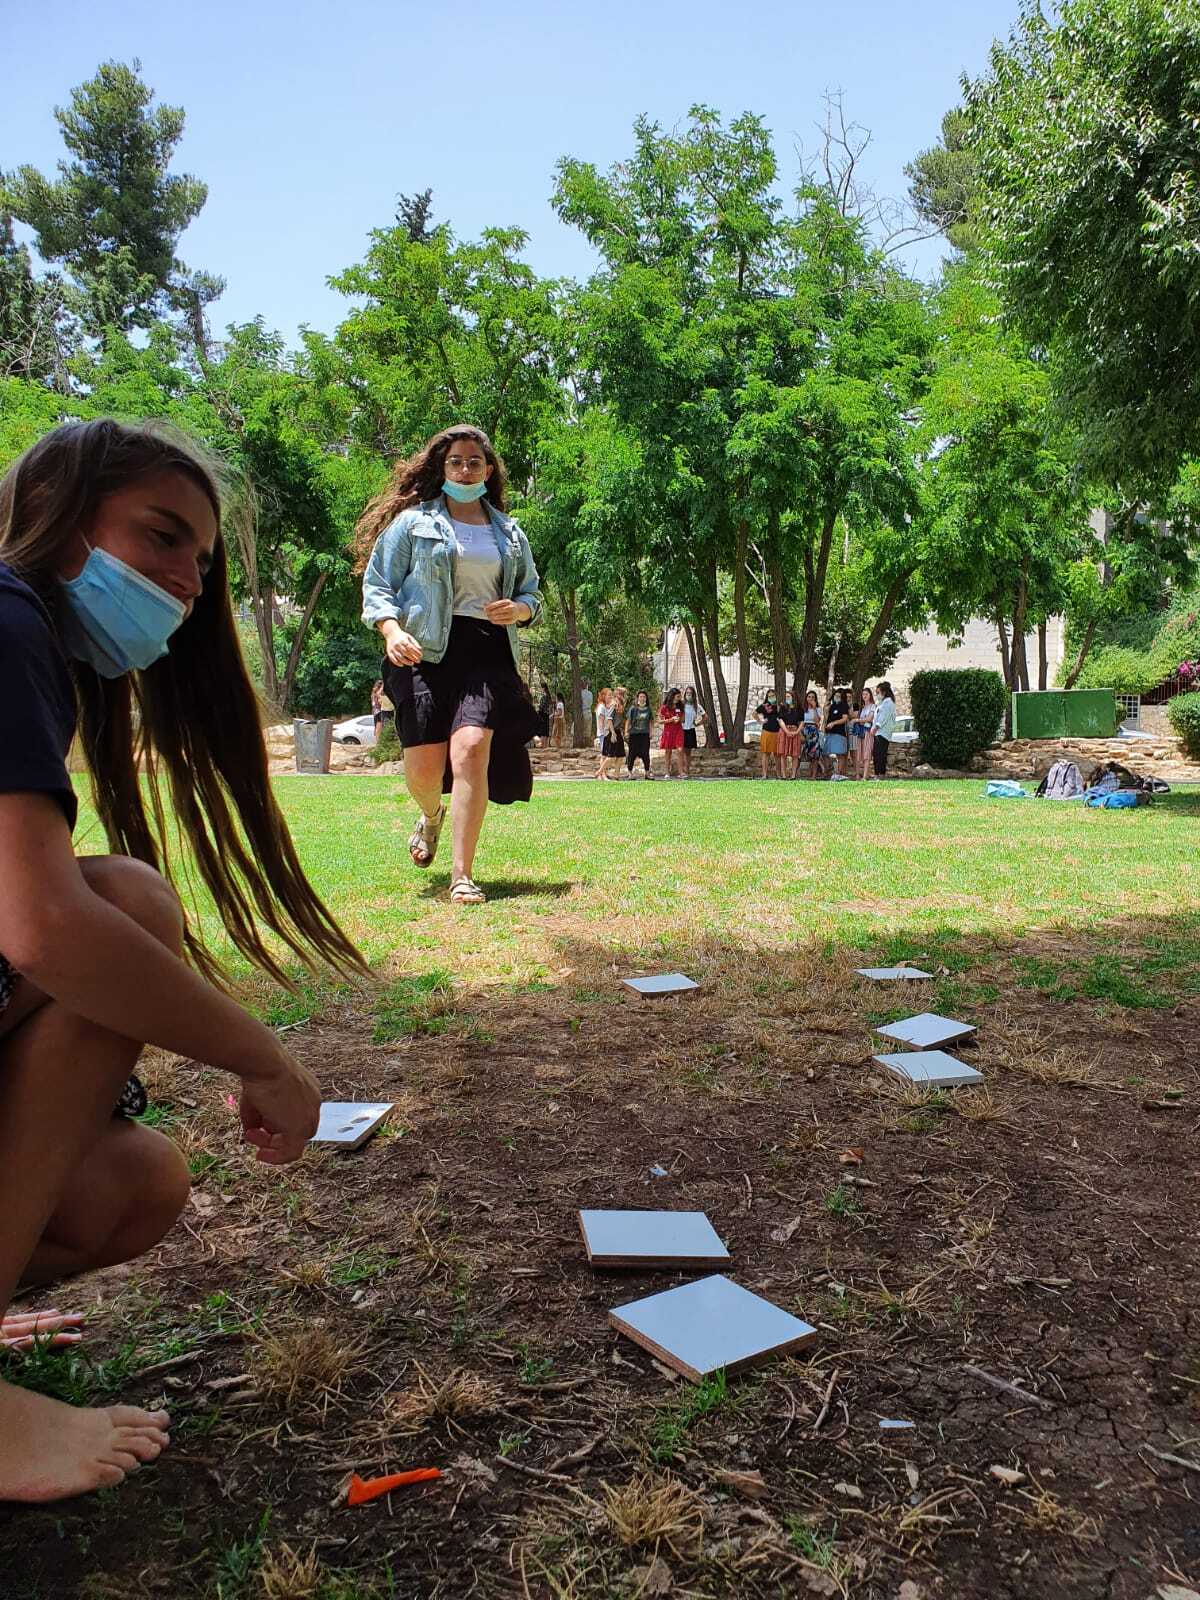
{"points": [[448, 332], [113, 216], [37, 334], [1084, 129], [944, 184], [765, 363]]}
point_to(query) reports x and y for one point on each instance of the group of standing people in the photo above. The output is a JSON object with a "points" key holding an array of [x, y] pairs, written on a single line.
{"points": [[623, 730], [792, 736]]}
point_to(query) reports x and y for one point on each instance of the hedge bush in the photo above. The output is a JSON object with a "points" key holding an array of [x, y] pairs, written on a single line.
{"points": [[387, 747], [957, 711], [1183, 713]]}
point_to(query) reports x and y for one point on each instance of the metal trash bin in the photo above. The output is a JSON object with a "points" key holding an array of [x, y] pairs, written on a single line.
{"points": [[314, 741]]}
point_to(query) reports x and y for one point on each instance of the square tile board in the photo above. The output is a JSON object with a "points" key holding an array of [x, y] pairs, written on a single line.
{"points": [[712, 1323], [886, 974], [932, 1067], [661, 983], [927, 1031], [349, 1123], [651, 1239]]}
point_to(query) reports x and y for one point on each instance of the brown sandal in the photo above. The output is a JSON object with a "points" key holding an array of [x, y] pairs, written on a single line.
{"points": [[466, 892], [423, 840]]}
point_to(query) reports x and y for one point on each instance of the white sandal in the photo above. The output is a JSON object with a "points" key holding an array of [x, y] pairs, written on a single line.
{"points": [[423, 840], [465, 891]]}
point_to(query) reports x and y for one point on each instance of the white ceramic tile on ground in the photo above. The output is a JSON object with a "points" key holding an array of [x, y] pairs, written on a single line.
{"points": [[660, 983], [701, 1327], [888, 974], [651, 1239], [927, 1031], [349, 1123], [932, 1069]]}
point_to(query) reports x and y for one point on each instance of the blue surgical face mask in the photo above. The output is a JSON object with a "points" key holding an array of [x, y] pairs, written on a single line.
{"points": [[464, 493], [114, 618]]}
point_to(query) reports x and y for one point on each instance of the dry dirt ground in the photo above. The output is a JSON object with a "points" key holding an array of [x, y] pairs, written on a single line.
{"points": [[1013, 1271]]}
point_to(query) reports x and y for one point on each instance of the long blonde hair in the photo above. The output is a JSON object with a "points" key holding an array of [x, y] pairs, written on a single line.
{"points": [[192, 717]]}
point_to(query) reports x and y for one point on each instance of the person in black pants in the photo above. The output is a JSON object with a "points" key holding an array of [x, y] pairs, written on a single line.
{"points": [[885, 726], [637, 732]]}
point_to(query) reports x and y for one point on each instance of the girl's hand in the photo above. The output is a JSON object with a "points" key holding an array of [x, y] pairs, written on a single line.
{"points": [[280, 1111], [504, 612], [402, 649]]}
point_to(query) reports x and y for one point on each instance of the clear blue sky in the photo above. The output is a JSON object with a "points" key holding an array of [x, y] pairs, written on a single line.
{"points": [[307, 118]]}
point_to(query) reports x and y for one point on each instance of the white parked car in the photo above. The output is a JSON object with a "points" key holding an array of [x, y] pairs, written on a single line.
{"points": [[355, 730], [906, 731]]}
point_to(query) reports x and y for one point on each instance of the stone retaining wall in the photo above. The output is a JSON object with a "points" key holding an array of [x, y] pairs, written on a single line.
{"points": [[1018, 758]]}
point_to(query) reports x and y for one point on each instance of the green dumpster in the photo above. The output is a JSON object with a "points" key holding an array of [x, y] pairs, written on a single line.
{"points": [[1065, 714]]}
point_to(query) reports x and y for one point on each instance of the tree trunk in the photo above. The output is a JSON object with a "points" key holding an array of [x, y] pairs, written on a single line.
{"points": [[831, 675], [695, 639], [1084, 647], [1006, 668], [739, 621], [567, 600], [1043, 656], [779, 627], [1020, 663], [815, 568], [733, 732], [882, 622], [293, 660], [1005, 656]]}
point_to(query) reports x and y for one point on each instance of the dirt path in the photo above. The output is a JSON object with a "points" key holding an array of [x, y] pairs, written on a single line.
{"points": [[1013, 1271]]}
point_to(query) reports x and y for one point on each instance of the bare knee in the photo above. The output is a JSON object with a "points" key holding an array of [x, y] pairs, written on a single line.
{"points": [[140, 892], [469, 750], [156, 1184]]}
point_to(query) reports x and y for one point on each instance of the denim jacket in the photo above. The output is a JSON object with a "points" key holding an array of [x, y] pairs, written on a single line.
{"points": [[410, 575]]}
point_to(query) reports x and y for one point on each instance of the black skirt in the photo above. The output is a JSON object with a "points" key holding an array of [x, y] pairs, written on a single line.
{"points": [[474, 685], [613, 745]]}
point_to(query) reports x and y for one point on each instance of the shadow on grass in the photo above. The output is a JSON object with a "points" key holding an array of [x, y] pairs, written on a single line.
{"points": [[503, 888]]}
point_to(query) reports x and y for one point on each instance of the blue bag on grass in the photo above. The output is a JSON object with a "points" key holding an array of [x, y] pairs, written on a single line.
{"points": [[1120, 800], [1006, 789]]}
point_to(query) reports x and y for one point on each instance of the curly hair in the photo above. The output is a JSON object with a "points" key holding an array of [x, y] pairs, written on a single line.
{"points": [[420, 477]]}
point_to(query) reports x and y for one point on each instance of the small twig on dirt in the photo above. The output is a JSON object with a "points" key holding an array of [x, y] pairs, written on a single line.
{"points": [[1146, 1235], [533, 1472], [1008, 1388], [749, 1191], [824, 1411], [457, 1498], [1176, 1461], [175, 1361], [576, 1456]]}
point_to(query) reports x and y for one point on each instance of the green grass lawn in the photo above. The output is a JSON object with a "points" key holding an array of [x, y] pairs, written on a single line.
{"points": [[635, 870]]}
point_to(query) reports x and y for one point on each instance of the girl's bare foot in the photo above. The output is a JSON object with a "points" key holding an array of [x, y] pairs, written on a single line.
{"points": [[43, 1327], [51, 1451]]}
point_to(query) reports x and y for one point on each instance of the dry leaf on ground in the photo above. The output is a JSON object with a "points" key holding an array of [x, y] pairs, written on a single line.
{"points": [[751, 1484]]}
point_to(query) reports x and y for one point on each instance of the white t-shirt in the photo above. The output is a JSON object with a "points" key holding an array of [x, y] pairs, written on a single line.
{"points": [[689, 716], [477, 571], [603, 720], [585, 700]]}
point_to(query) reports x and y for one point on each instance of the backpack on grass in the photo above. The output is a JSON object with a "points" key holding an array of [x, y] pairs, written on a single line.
{"points": [[1064, 781]]}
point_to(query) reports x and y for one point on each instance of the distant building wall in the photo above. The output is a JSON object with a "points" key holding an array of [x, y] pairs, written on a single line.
{"points": [[980, 647]]}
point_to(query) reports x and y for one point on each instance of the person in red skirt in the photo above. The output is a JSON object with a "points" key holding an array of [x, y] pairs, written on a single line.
{"points": [[670, 714]]}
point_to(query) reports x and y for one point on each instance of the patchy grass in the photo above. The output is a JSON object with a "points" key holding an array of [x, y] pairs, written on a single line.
{"points": [[425, 1301]]}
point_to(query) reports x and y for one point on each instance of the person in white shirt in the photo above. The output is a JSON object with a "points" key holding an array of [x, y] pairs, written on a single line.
{"points": [[884, 727], [603, 729], [585, 702], [862, 731], [693, 716]]}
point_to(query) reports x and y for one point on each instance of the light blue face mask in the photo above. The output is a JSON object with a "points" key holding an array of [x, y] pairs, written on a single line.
{"points": [[115, 619], [464, 493]]}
